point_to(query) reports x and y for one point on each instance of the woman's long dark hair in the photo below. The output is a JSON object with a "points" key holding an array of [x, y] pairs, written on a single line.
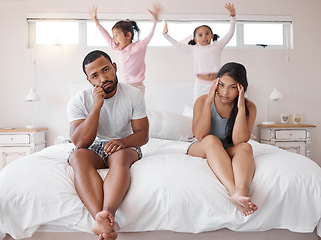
{"points": [[128, 26], [238, 72], [192, 42]]}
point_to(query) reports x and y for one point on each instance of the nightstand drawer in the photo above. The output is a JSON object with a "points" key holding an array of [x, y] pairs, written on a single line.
{"points": [[13, 138], [291, 137], [290, 134]]}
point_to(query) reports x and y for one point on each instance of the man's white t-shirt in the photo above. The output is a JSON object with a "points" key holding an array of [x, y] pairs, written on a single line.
{"points": [[116, 113]]}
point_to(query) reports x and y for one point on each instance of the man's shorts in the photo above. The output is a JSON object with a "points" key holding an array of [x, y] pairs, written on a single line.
{"points": [[98, 148]]}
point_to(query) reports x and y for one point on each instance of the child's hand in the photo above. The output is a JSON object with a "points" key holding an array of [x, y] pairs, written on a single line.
{"points": [[231, 9], [157, 8], [165, 31], [93, 14]]}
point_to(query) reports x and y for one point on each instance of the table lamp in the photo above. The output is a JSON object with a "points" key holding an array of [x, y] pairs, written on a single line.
{"points": [[273, 94], [32, 97]]}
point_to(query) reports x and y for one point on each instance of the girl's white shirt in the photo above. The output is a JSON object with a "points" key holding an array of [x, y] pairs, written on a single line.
{"points": [[207, 59]]}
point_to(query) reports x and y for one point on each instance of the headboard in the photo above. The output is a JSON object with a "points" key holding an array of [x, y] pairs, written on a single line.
{"points": [[174, 97]]}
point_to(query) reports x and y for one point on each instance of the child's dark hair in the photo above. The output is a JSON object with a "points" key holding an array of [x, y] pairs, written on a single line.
{"points": [[192, 42], [238, 72], [128, 26]]}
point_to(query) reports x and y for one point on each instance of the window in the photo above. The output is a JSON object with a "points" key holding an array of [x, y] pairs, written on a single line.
{"points": [[56, 32], [250, 32], [263, 34]]}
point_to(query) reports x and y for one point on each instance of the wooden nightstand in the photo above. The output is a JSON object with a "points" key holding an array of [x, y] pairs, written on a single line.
{"points": [[291, 137], [20, 142]]}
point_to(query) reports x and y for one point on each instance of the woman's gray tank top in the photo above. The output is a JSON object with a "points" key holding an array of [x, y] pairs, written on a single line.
{"points": [[219, 126]]}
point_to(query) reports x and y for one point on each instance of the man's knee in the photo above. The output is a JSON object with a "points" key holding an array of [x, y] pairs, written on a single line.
{"points": [[122, 158], [78, 156]]}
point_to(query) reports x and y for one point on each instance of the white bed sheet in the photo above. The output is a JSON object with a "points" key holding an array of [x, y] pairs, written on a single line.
{"points": [[169, 191]]}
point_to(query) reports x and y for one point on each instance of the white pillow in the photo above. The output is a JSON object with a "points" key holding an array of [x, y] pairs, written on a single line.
{"points": [[171, 126], [188, 111]]}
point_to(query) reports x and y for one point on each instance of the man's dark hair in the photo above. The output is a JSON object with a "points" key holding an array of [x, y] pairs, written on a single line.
{"points": [[92, 56]]}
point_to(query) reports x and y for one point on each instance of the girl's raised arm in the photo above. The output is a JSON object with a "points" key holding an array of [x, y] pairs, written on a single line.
{"points": [[104, 32], [93, 15], [157, 8], [230, 33], [230, 7], [183, 46]]}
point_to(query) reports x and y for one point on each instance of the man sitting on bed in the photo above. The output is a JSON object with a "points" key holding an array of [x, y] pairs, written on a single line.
{"points": [[108, 125]]}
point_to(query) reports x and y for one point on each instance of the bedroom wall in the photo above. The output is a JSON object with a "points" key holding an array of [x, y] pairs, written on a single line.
{"points": [[294, 72]]}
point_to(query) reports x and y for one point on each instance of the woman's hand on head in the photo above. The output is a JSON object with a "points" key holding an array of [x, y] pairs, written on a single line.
{"points": [[241, 101], [93, 14], [165, 31], [213, 91], [231, 9], [157, 8]]}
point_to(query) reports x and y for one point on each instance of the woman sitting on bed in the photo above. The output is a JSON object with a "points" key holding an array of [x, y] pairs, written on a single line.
{"points": [[222, 123]]}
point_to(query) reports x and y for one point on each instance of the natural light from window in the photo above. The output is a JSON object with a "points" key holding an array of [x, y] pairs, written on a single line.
{"points": [[267, 33], [86, 34], [57, 33]]}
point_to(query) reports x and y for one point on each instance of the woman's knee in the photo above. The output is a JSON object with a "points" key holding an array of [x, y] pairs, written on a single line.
{"points": [[245, 147], [211, 141]]}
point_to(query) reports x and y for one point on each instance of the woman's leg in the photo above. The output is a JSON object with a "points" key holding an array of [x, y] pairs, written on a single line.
{"points": [[243, 171], [219, 161], [235, 174]]}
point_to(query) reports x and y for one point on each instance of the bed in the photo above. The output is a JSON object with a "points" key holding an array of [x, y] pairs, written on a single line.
{"points": [[172, 195]]}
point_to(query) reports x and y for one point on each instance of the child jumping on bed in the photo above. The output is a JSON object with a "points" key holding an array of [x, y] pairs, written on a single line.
{"points": [[128, 53], [222, 123], [206, 53]]}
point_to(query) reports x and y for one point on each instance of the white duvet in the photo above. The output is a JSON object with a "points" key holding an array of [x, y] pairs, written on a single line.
{"points": [[169, 191]]}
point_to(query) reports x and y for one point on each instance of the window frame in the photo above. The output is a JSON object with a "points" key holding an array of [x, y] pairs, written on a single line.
{"points": [[286, 21]]}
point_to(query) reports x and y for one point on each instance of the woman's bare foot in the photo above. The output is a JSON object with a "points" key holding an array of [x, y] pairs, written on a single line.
{"points": [[104, 223], [243, 203]]}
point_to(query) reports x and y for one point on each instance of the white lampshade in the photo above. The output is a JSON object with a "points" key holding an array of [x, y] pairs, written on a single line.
{"points": [[32, 96], [273, 94]]}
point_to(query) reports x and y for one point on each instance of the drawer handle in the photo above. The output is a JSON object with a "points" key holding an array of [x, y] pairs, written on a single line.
{"points": [[12, 139], [290, 134]]}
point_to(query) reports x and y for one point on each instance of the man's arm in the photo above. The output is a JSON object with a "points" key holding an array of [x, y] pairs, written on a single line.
{"points": [[138, 138], [83, 132]]}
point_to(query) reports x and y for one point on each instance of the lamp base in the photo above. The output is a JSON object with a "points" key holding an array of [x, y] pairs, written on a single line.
{"points": [[268, 123]]}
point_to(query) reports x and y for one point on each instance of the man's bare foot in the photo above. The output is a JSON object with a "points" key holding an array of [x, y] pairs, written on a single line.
{"points": [[104, 223], [108, 236], [243, 203]]}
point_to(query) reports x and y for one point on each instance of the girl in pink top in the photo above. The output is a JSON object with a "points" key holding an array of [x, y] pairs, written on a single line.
{"points": [[206, 53], [130, 55]]}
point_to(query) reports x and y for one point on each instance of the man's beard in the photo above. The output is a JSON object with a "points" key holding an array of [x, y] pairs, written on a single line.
{"points": [[111, 88]]}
